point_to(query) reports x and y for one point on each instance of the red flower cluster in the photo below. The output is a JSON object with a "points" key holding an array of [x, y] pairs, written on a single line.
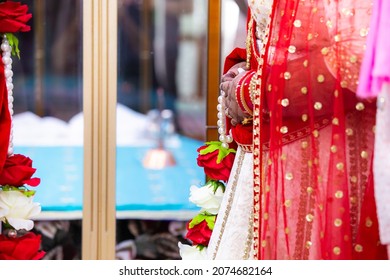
{"points": [[199, 234], [21, 248], [13, 17], [17, 171], [213, 169]]}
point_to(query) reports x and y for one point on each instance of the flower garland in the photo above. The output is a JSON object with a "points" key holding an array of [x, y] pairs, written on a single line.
{"points": [[16, 171], [216, 158]]}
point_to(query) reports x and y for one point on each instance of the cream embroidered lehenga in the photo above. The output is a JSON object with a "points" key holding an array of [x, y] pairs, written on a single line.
{"points": [[301, 186]]}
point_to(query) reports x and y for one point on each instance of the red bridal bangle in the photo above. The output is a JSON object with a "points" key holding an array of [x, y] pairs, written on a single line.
{"points": [[243, 93]]}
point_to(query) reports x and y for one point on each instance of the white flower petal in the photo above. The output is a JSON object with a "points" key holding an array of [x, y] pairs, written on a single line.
{"points": [[188, 252], [17, 209], [21, 223]]}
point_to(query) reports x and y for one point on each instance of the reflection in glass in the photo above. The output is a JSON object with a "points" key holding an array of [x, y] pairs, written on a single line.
{"points": [[48, 125], [160, 122]]}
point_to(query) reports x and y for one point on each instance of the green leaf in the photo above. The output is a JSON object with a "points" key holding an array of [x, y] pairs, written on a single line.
{"points": [[210, 220], [23, 190], [209, 149], [196, 220], [216, 184], [14, 43], [224, 152], [216, 145]]}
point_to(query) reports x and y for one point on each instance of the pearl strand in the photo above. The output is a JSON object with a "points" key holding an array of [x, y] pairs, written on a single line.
{"points": [[225, 139], [7, 60]]}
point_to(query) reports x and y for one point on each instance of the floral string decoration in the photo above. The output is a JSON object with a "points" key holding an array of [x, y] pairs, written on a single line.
{"points": [[17, 207], [216, 158]]}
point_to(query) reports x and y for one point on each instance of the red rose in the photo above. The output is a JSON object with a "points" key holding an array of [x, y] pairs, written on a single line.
{"points": [[17, 171], [199, 234], [13, 17], [21, 248], [213, 169]]}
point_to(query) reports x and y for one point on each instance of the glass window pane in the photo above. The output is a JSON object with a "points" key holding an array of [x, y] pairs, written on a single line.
{"points": [[48, 123], [160, 122]]}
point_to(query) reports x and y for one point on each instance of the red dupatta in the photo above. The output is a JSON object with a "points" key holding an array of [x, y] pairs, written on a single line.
{"points": [[313, 187]]}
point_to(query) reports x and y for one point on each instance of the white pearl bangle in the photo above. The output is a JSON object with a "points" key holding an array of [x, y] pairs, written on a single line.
{"points": [[225, 139]]}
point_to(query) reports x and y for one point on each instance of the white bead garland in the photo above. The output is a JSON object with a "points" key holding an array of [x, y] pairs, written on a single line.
{"points": [[225, 139], [7, 60]]}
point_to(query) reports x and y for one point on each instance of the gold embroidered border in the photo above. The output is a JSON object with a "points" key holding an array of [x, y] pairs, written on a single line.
{"points": [[229, 203], [306, 207]]}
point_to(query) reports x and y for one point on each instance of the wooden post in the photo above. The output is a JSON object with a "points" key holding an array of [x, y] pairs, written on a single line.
{"points": [[100, 99], [213, 68]]}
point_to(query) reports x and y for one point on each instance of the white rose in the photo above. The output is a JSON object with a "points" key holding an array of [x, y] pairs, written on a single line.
{"points": [[17, 209], [206, 198], [188, 252]]}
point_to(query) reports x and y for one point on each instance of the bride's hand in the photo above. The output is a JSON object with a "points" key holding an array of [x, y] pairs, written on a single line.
{"points": [[229, 82]]}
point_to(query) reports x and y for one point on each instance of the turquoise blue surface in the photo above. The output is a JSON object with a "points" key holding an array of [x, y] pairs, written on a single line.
{"points": [[61, 172]]}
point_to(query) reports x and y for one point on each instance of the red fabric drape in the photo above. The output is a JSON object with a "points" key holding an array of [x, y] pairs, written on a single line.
{"points": [[5, 119], [312, 138]]}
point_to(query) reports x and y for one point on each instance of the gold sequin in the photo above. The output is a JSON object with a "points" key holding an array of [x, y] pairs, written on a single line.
{"points": [[340, 166], [263, 243], [336, 93], [265, 216], [287, 203], [349, 131], [285, 102], [318, 105], [337, 38], [320, 78], [338, 222], [339, 194], [336, 250], [292, 49], [360, 106], [329, 24], [325, 51], [335, 121], [289, 176], [304, 117], [364, 32], [287, 75], [353, 59], [310, 36], [304, 144], [308, 244], [364, 154], [297, 23], [309, 190], [353, 200], [304, 90], [309, 218], [333, 148], [284, 129], [316, 133], [358, 248], [287, 230], [368, 222]]}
